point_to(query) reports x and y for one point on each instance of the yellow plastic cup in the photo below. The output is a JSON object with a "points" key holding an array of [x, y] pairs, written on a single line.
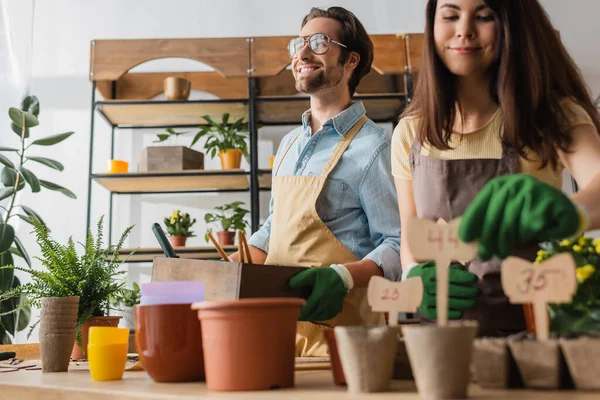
{"points": [[107, 352], [271, 161], [118, 167]]}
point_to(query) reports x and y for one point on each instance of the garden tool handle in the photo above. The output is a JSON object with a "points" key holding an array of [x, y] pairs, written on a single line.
{"points": [[163, 241], [7, 355]]}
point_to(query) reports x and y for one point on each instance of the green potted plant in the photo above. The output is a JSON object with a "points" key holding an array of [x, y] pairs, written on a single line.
{"points": [[230, 218], [226, 139], [91, 276], [170, 158], [16, 175], [124, 302], [178, 227]]}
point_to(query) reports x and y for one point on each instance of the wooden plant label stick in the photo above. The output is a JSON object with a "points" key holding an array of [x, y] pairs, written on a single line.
{"points": [[439, 242], [217, 246], [553, 281], [394, 297], [241, 247]]}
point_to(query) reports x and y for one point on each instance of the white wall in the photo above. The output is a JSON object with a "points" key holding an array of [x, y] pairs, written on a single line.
{"points": [[62, 34]]}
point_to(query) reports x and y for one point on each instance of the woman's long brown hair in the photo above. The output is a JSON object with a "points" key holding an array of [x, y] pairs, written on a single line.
{"points": [[533, 73]]}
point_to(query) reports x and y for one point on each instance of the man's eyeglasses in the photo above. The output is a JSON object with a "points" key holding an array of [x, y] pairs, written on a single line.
{"points": [[318, 43]]}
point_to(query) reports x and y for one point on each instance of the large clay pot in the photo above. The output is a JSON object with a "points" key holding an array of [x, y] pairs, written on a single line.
{"points": [[243, 349], [334, 355], [231, 159], [178, 241], [79, 353], [169, 341], [225, 238], [58, 326], [440, 358]]}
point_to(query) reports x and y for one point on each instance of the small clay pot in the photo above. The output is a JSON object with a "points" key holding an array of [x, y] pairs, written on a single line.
{"points": [[539, 362], [225, 238], [582, 356], [79, 353], [440, 358], [169, 341], [334, 355], [249, 344], [178, 241], [231, 159], [58, 327], [176, 88], [367, 356]]}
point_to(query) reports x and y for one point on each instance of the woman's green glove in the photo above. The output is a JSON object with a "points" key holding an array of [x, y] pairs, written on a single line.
{"points": [[327, 296], [517, 210], [461, 295]]}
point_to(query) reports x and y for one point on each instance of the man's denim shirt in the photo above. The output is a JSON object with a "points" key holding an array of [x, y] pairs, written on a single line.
{"points": [[359, 203]]}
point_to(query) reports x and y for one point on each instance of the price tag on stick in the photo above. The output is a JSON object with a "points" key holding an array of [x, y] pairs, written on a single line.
{"points": [[439, 242], [553, 281], [394, 297]]}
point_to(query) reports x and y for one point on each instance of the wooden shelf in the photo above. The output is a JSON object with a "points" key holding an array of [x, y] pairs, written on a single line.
{"points": [[198, 253], [165, 182], [264, 179], [165, 113]]}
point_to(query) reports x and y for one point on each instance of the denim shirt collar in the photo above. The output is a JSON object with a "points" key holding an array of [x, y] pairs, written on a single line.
{"points": [[342, 122]]}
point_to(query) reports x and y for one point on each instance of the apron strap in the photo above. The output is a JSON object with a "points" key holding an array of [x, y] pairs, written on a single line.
{"points": [[276, 169], [342, 146]]}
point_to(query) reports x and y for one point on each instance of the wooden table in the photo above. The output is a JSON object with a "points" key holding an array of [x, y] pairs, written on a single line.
{"points": [[310, 385]]}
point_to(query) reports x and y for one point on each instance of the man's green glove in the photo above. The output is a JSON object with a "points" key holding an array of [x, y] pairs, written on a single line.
{"points": [[461, 296], [516, 210], [327, 296]]}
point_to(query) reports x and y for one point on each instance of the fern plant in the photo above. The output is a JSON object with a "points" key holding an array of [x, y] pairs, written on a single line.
{"points": [[93, 275]]}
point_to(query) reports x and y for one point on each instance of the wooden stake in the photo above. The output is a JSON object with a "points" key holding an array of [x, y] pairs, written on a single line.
{"points": [[218, 247], [241, 247], [246, 247]]}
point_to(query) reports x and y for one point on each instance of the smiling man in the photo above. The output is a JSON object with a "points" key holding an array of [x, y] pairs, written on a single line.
{"points": [[333, 205]]}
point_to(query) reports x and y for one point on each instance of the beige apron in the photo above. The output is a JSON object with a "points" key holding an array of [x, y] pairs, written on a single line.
{"points": [[300, 238]]}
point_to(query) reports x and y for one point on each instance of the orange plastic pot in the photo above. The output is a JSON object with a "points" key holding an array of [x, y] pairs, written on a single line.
{"points": [[243, 349], [80, 353], [231, 159]]}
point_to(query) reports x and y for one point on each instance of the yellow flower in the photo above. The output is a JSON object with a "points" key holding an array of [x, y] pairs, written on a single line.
{"points": [[598, 248], [565, 243], [541, 253], [582, 240], [172, 221], [596, 242], [577, 248], [583, 273], [175, 214]]}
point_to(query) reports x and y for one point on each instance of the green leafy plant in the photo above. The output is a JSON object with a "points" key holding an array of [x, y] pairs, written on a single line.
{"points": [[93, 275], [127, 298], [179, 224], [223, 136], [168, 134], [228, 216], [582, 315], [16, 175]]}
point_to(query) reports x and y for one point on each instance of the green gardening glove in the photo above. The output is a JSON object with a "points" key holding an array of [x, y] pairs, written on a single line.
{"points": [[461, 296], [327, 296], [516, 210]]}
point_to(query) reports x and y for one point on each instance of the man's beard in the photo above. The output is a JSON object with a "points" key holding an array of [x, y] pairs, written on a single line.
{"points": [[325, 79]]}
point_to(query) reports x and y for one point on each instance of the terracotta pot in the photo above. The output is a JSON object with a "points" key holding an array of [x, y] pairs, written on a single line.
{"points": [[583, 359], [539, 362], [440, 358], [176, 88], [231, 159], [225, 238], [169, 341], [336, 364], [367, 356], [178, 241], [58, 327], [243, 350], [79, 353]]}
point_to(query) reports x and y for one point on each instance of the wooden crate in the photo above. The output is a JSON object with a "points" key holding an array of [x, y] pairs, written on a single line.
{"points": [[170, 158]]}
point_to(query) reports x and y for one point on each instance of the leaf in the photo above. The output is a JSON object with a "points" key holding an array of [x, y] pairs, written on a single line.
{"points": [[8, 176], [18, 130], [7, 236], [58, 188], [47, 162], [23, 315], [31, 179], [25, 218], [17, 117], [6, 274], [6, 192], [32, 213], [22, 250], [7, 149], [4, 160], [52, 140], [161, 138], [31, 104]]}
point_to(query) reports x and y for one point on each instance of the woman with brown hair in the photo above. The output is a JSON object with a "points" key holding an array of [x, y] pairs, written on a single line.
{"points": [[500, 109]]}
